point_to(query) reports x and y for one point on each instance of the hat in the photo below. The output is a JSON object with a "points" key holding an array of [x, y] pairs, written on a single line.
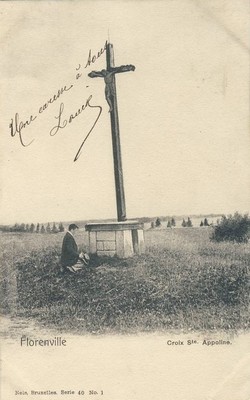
{"points": [[73, 226]]}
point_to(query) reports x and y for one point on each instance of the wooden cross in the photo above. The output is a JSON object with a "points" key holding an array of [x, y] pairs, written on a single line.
{"points": [[110, 94]]}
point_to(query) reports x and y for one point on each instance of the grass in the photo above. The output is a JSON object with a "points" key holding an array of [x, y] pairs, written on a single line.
{"points": [[183, 282]]}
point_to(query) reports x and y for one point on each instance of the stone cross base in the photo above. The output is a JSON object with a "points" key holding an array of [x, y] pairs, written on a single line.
{"points": [[123, 239]]}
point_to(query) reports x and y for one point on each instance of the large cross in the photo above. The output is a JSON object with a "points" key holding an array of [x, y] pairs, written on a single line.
{"points": [[110, 93]]}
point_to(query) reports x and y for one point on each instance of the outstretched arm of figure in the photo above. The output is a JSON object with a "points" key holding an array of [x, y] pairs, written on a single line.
{"points": [[96, 74], [122, 68]]}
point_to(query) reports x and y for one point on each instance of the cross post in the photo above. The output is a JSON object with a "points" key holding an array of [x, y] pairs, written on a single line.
{"points": [[110, 94]]}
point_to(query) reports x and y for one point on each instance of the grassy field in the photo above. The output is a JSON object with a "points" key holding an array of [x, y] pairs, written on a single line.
{"points": [[183, 282]]}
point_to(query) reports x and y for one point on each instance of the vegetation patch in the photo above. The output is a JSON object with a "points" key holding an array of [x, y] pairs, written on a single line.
{"points": [[234, 228], [180, 283]]}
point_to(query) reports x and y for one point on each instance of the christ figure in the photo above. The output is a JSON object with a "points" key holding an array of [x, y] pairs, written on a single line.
{"points": [[108, 76]]}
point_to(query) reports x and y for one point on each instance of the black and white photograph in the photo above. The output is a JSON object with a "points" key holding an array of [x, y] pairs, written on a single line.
{"points": [[125, 199]]}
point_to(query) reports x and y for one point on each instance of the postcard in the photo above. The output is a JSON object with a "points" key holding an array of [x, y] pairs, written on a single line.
{"points": [[125, 193]]}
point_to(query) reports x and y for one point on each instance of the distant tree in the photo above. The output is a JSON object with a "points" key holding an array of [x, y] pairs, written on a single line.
{"points": [[157, 222], [37, 228], [201, 224], [15, 228], [54, 228], [189, 222], [61, 227], [6, 228], [27, 227], [173, 223], [184, 224], [152, 224], [48, 229], [32, 228], [206, 222], [18, 228], [22, 228], [169, 224], [232, 228], [42, 229]]}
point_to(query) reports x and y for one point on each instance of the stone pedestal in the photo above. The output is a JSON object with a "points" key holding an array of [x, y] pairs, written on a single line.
{"points": [[123, 239]]}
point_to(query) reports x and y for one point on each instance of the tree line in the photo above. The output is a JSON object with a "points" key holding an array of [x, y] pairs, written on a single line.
{"points": [[185, 223], [32, 228], [157, 223]]}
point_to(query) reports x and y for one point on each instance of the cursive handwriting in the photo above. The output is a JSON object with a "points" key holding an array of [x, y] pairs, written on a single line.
{"points": [[17, 127], [91, 59], [54, 98], [62, 123]]}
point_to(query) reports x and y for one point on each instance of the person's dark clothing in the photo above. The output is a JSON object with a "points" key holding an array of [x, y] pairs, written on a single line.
{"points": [[70, 253]]}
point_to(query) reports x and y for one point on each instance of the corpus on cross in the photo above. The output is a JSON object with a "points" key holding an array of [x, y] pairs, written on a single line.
{"points": [[108, 75], [110, 93]]}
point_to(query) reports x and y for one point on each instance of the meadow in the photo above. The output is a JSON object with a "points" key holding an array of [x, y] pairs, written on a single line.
{"points": [[183, 282]]}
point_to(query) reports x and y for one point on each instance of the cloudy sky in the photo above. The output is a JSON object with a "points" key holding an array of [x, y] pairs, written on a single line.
{"points": [[183, 112]]}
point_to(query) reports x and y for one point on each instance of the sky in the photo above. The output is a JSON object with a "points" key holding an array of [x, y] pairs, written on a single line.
{"points": [[183, 112]]}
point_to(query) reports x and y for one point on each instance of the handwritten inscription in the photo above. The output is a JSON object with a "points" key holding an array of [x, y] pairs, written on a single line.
{"points": [[54, 98], [62, 123], [17, 125], [93, 58]]}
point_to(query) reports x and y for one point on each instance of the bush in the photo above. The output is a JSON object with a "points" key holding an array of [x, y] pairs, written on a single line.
{"points": [[158, 222], [233, 228], [189, 223], [206, 222]]}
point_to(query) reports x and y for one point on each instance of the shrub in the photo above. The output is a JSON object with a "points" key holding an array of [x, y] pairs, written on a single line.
{"points": [[61, 227], [232, 228], [189, 223], [173, 223], [158, 222]]}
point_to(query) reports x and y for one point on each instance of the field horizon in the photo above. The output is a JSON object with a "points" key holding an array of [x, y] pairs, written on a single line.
{"points": [[144, 219]]}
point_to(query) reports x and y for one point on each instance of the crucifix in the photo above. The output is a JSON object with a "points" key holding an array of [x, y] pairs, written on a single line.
{"points": [[110, 93]]}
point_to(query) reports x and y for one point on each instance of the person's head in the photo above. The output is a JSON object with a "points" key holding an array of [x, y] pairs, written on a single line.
{"points": [[73, 228]]}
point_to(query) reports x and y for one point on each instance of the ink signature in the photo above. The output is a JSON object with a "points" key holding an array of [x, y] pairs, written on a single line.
{"points": [[17, 126], [61, 124]]}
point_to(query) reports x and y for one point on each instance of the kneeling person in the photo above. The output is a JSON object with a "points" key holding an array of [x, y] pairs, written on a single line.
{"points": [[71, 259]]}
